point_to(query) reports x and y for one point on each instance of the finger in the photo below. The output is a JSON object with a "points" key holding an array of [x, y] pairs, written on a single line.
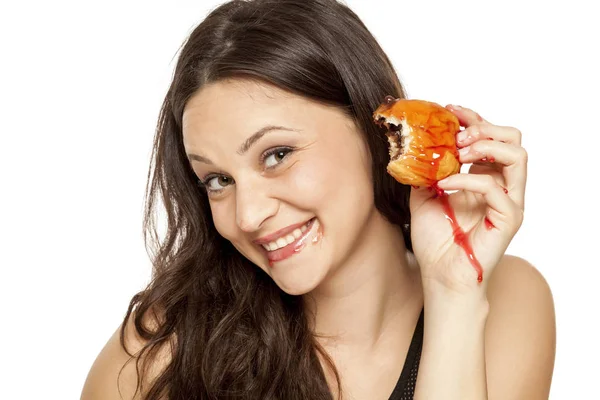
{"points": [[488, 168], [487, 165], [504, 212], [506, 134], [512, 158], [466, 116]]}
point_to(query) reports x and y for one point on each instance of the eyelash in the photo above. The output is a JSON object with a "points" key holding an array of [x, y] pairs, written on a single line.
{"points": [[203, 182], [274, 151]]}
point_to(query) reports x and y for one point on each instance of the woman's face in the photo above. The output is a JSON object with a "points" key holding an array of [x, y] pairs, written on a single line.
{"points": [[288, 179]]}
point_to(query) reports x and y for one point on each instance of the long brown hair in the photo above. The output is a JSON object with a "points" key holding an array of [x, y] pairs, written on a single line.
{"points": [[232, 332]]}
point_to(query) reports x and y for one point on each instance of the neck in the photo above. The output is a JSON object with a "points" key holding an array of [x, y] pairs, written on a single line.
{"points": [[365, 297]]}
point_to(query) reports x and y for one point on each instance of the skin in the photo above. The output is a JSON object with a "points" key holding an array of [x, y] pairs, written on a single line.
{"points": [[362, 287]]}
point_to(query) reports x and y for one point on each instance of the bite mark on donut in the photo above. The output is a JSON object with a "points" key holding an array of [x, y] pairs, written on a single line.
{"points": [[398, 135]]}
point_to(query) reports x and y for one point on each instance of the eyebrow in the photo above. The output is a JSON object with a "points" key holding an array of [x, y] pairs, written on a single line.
{"points": [[248, 143]]}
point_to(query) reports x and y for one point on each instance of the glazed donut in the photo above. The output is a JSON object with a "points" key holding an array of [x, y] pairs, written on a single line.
{"points": [[422, 140]]}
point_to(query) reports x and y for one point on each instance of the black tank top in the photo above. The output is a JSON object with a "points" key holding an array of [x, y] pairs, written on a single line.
{"points": [[405, 388]]}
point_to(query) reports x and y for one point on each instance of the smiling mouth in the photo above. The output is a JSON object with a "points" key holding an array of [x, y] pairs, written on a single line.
{"points": [[294, 243], [290, 238]]}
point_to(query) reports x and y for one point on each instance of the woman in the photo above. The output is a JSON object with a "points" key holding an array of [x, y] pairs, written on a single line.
{"points": [[294, 266]]}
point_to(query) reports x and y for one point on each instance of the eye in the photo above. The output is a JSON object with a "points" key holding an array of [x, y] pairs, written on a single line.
{"points": [[217, 183], [275, 156]]}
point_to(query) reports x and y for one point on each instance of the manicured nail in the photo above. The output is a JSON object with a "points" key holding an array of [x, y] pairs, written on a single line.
{"points": [[464, 151], [442, 182]]}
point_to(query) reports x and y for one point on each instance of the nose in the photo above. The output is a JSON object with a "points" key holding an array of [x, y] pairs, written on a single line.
{"points": [[253, 206]]}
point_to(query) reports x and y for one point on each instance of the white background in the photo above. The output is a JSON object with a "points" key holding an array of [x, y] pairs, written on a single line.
{"points": [[81, 84]]}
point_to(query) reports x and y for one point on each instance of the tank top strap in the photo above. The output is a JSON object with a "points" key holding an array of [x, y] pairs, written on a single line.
{"points": [[405, 387]]}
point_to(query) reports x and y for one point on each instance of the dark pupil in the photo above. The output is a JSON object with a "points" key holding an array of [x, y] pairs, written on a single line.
{"points": [[223, 180], [279, 155]]}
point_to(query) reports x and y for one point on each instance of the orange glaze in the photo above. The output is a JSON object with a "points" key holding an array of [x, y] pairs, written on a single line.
{"points": [[430, 154]]}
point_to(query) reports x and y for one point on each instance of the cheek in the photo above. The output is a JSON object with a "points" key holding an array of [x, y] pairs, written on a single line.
{"points": [[223, 215], [337, 179], [309, 182]]}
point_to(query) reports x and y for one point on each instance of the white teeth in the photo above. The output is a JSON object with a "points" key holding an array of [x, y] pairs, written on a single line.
{"points": [[285, 240], [272, 246]]}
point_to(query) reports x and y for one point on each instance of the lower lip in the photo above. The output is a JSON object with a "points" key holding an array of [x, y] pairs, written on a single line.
{"points": [[293, 248]]}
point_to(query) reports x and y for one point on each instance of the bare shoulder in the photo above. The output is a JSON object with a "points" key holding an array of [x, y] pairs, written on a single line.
{"points": [[520, 332], [113, 375]]}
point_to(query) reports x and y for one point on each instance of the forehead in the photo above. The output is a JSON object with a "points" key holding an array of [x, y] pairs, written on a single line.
{"points": [[240, 107], [233, 104], [233, 96]]}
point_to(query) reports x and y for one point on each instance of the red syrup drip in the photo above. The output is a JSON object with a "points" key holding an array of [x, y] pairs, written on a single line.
{"points": [[460, 237]]}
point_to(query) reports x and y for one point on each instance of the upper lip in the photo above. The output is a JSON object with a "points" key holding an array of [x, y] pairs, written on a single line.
{"points": [[282, 232]]}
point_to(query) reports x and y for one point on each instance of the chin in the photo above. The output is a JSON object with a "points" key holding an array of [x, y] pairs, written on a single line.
{"points": [[301, 281], [300, 266], [301, 273]]}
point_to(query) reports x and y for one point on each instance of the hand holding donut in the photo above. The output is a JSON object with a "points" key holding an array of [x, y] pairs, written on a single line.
{"points": [[472, 226]]}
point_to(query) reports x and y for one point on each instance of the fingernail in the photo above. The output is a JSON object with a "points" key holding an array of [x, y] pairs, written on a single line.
{"points": [[442, 182], [456, 106], [464, 151], [461, 136]]}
